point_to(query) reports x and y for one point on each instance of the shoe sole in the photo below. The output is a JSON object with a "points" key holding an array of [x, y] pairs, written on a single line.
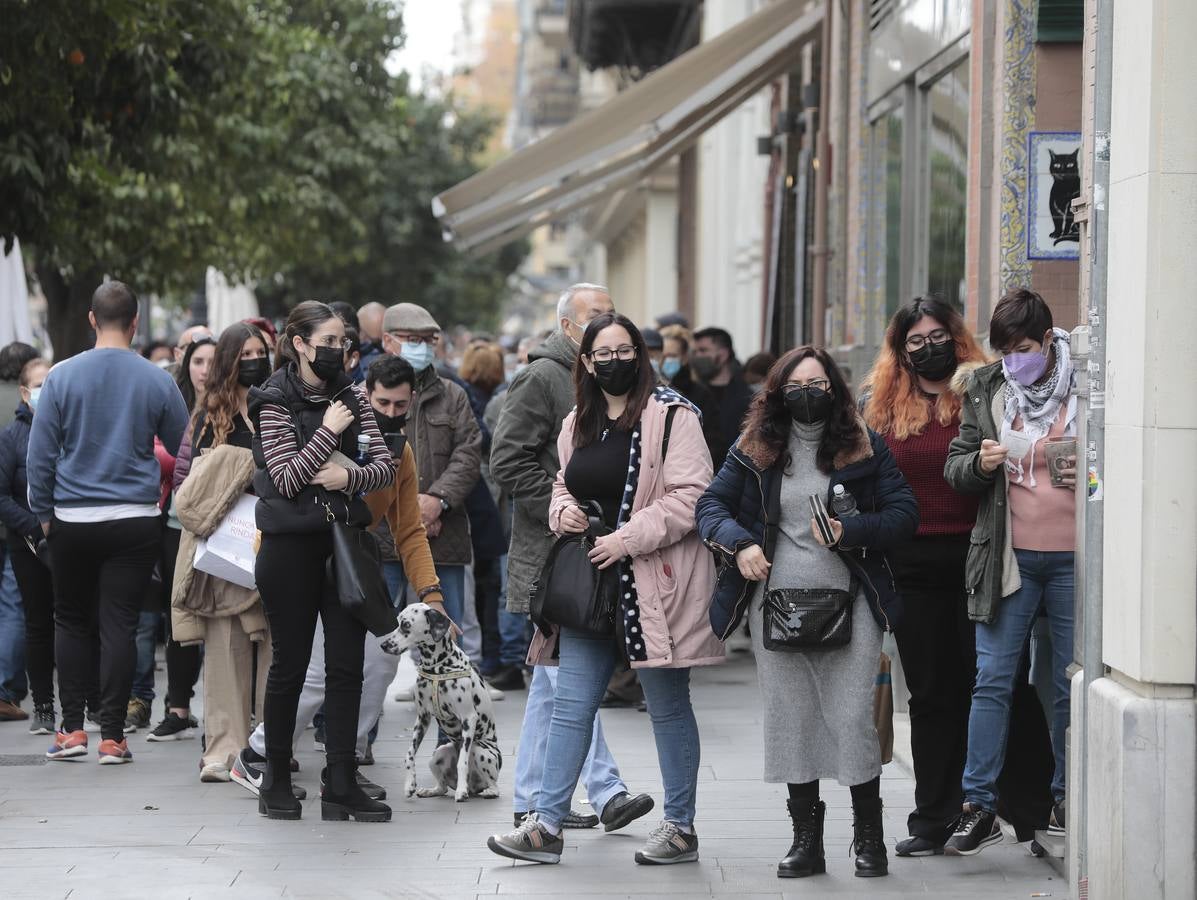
{"points": [[544, 857], [956, 851], [68, 753], [579, 823], [282, 815], [335, 812], [187, 734], [630, 812], [688, 856], [215, 777], [109, 760], [937, 851], [819, 868], [872, 874], [41, 731], [1056, 830], [242, 779]]}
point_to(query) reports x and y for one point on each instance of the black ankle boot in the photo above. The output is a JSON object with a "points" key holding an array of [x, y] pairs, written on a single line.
{"points": [[341, 798], [806, 855], [868, 840], [275, 798]]}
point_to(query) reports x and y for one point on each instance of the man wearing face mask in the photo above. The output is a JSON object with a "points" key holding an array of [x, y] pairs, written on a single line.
{"points": [[714, 362], [447, 444]]}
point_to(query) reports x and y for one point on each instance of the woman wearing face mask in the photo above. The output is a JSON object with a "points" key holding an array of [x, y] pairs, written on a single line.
{"points": [[909, 403], [802, 436], [1021, 557], [24, 534], [307, 410], [612, 452], [226, 618]]}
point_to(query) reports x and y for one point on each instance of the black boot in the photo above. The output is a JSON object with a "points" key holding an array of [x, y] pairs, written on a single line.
{"points": [[868, 840], [341, 798], [275, 797], [806, 856]]}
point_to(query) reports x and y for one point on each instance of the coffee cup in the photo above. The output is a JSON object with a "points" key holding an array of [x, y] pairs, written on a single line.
{"points": [[1061, 459]]}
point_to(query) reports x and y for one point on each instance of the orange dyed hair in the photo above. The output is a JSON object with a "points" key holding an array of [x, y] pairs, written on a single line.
{"points": [[896, 404]]}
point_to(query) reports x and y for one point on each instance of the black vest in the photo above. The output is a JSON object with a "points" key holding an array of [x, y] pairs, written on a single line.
{"points": [[313, 508]]}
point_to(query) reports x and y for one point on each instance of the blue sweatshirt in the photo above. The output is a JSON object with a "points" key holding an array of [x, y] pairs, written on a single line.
{"points": [[92, 442]]}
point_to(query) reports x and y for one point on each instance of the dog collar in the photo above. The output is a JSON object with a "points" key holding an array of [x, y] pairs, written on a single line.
{"points": [[445, 676]]}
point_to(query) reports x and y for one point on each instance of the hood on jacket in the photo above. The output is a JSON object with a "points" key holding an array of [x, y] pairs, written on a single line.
{"points": [[763, 457], [966, 371], [557, 347]]}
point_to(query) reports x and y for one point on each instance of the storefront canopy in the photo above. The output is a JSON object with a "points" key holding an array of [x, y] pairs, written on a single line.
{"points": [[614, 146]]}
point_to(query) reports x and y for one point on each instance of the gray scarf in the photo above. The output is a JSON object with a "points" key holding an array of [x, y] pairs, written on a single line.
{"points": [[1039, 404]]}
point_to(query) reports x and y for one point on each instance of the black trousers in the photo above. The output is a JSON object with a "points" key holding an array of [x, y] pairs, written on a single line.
{"points": [[939, 659], [290, 570], [101, 572], [37, 597], [488, 585], [182, 663]]}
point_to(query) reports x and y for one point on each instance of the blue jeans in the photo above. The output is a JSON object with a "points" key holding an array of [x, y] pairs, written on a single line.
{"points": [[1047, 584], [599, 771], [586, 666], [13, 683], [147, 641], [452, 579], [393, 575], [515, 631]]}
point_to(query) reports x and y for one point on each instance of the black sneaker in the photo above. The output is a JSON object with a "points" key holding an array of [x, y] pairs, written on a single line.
{"points": [[137, 715], [918, 846], [174, 728], [530, 842], [623, 809], [510, 678], [1055, 824], [572, 820], [975, 830], [42, 720], [249, 775]]}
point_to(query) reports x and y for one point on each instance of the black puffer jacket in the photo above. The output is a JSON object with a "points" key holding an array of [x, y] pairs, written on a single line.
{"points": [[14, 498]]}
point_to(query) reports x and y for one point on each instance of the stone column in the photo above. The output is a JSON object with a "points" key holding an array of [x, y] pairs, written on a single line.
{"points": [[1141, 738]]}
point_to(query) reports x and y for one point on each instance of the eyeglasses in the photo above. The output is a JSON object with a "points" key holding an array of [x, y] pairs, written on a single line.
{"points": [[332, 342], [821, 384], [606, 354], [414, 340], [918, 341]]}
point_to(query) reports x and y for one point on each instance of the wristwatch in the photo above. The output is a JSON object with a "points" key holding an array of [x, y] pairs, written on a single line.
{"points": [[444, 505]]}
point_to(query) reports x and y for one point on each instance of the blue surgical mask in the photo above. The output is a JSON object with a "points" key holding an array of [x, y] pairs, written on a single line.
{"points": [[419, 355], [656, 366], [34, 395], [670, 367]]}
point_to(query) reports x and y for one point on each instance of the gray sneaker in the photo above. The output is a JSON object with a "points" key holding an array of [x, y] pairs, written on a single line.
{"points": [[531, 842], [668, 844]]}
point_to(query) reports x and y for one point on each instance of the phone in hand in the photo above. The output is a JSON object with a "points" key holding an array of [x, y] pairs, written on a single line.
{"points": [[822, 521]]}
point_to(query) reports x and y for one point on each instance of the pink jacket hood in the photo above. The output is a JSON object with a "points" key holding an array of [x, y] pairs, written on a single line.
{"points": [[674, 572]]}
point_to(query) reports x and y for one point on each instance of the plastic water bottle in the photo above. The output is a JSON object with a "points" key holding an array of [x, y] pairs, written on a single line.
{"points": [[363, 449], [843, 504]]}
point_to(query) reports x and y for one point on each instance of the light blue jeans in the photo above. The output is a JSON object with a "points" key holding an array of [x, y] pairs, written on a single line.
{"points": [[1047, 584], [586, 666], [598, 771], [13, 683]]}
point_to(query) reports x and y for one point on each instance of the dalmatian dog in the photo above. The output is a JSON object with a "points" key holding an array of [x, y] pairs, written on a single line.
{"points": [[450, 691]]}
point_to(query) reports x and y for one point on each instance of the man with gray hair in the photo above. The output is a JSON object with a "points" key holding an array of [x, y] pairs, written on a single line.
{"points": [[523, 462], [369, 327]]}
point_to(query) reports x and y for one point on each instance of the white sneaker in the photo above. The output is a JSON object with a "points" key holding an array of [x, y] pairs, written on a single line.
{"points": [[495, 693], [214, 773], [408, 695]]}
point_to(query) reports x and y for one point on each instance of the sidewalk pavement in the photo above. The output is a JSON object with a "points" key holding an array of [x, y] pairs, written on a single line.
{"points": [[152, 830]]}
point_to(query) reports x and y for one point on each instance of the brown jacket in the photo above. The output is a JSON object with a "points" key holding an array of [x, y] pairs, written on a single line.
{"points": [[397, 501], [216, 482], [448, 446]]}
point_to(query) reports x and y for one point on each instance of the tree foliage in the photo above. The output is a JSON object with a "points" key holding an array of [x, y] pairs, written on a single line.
{"points": [[148, 139]]}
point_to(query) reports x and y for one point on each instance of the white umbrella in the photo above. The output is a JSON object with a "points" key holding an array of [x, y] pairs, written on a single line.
{"points": [[14, 298]]}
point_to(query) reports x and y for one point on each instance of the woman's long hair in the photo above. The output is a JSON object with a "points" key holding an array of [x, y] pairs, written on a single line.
{"points": [[183, 373], [768, 421], [897, 404], [302, 322], [221, 402], [591, 417]]}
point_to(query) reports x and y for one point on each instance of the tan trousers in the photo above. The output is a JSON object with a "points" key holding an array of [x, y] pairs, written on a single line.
{"points": [[230, 687]]}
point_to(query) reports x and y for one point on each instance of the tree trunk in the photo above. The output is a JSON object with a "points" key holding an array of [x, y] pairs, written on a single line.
{"points": [[67, 305]]}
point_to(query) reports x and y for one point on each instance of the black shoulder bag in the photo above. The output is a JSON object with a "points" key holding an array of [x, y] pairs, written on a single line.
{"points": [[571, 592]]}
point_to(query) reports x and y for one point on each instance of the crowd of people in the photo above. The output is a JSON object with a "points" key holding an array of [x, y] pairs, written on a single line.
{"points": [[936, 503]]}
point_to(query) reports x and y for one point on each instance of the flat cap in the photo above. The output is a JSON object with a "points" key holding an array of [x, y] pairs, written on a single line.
{"points": [[408, 317], [652, 339]]}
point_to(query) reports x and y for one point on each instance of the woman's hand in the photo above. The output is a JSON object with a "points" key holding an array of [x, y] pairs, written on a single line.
{"points": [[991, 457], [752, 563], [573, 520], [1067, 473], [332, 477], [608, 550], [337, 417], [837, 531]]}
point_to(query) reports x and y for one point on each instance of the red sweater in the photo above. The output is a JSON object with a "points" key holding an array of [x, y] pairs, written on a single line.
{"points": [[921, 458]]}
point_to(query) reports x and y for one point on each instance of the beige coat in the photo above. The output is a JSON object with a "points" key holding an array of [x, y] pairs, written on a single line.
{"points": [[216, 482]]}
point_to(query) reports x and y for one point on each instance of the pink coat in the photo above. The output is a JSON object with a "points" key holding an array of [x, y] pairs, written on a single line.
{"points": [[674, 572]]}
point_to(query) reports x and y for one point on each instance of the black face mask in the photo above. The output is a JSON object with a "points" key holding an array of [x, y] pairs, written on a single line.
{"points": [[616, 376], [252, 372], [329, 362], [390, 424], [935, 362], [808, 404]]}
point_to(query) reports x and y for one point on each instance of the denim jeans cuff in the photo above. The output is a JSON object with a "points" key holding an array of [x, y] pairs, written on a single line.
{"points": [[598, 804]]}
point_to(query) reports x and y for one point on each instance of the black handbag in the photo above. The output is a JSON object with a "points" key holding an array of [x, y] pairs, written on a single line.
{"points": [[355, 571], [571, 592], [799, 619]]}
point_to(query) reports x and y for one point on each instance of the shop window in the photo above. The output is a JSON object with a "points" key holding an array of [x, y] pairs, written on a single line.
{"points": [[947, 184], [1060, 21]]}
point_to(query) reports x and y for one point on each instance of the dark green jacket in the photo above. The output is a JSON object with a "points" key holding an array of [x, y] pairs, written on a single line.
{"points": [[523, 458], [991, 571]]}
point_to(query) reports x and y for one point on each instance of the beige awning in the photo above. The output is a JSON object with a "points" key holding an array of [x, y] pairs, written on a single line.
{"points": [[614, 146]]}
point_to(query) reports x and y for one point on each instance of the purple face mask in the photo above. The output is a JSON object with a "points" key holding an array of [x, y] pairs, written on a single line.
{"points": [[1025, 368]]}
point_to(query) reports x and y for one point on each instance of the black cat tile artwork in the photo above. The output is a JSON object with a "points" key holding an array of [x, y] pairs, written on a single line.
{"points": [[1066, 187], [1054, 181]]}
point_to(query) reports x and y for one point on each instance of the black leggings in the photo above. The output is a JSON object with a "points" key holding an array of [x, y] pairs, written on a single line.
{"points": [[101, 572], [182, 663], [294, 589], [37, 596], [865, 796]]}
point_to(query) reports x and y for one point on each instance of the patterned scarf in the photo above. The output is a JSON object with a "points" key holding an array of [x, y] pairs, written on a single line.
{"points": [[1039, 404]]}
